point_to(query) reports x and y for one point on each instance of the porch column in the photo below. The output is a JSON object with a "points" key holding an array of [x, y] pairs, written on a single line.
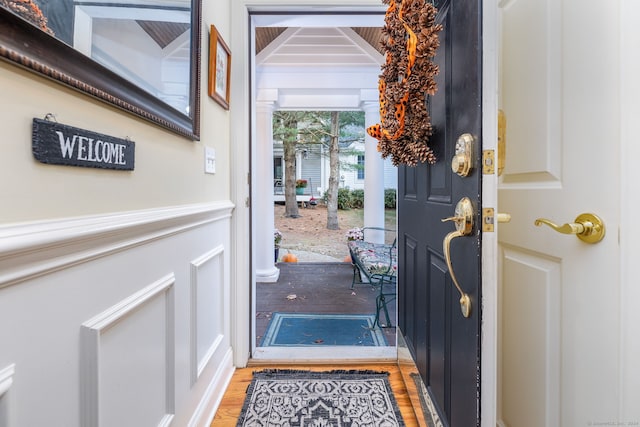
{"points": [[373, 177], [262, 196]]}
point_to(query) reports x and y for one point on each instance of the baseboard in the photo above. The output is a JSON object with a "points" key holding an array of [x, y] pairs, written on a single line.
{"points": [[210, 402]]}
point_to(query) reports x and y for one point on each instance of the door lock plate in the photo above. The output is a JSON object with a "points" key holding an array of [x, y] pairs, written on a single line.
{"points": [[488, 162], [487, 220]]}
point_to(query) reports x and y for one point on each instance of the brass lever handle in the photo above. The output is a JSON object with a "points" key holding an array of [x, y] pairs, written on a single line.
{"points": [[464, 225], [587, 227], [465, 301]]}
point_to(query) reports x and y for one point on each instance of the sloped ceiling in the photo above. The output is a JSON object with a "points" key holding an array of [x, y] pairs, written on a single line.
{"points": [[265, 35], [324, 68], [163, 33]]}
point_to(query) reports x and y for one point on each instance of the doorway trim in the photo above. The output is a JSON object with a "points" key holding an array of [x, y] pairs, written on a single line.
{"points": [[489, 321], [243, 284], [243, 130]]}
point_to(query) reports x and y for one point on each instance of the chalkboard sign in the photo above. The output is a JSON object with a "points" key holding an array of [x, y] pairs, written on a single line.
{"points": [[59, 144]]}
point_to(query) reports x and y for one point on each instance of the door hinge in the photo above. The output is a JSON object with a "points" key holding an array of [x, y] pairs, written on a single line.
{"points": [[488, 162], [247, 202], [502, 140]]}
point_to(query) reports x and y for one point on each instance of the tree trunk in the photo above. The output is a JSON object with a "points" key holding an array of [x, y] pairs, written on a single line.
{"points": [[332, 193], [291, 203]]}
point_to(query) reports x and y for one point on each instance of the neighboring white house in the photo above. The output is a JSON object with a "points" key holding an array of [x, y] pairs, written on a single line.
{"points": [[312, 164]]}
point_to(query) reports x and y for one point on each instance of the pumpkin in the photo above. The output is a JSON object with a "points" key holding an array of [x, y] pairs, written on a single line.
{"points": [[289, 257], [347, 259]]}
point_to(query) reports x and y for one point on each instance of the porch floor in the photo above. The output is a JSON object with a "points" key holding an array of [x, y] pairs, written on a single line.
{"points": [[318, 287]]}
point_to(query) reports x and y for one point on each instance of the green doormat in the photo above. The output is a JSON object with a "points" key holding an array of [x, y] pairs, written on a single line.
{"points": [[312, 330], [334, 398]]}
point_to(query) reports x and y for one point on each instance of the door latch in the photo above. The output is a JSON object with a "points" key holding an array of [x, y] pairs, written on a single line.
{"points": [[489, 219]]}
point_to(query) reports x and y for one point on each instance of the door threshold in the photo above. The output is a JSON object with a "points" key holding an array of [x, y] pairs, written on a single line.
{"points": [[306, 355]]}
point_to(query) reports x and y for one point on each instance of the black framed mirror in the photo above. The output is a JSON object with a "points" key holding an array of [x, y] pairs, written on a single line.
{"points": [[142, 56]]}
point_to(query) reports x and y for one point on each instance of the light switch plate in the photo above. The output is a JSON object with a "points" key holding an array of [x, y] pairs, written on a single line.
{"points": [[209, 160]]}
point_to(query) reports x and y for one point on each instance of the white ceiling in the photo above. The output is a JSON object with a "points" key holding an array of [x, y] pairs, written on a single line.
{"points": [[318, 68]]}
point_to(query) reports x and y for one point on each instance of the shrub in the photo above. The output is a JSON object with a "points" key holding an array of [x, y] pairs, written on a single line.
{"points": [[390, 198], [354, 199], [357, 199], [344, 199]]}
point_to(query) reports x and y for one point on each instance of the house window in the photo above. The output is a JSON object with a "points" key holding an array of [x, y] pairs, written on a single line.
{"points": [[361, 166]]}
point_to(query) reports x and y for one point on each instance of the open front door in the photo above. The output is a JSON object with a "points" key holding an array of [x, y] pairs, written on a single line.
{"points": [[439, 273], [560, 311]]}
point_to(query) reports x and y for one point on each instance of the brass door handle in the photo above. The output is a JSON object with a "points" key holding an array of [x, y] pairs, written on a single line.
{"points": [[587, 227], [464, 224]]}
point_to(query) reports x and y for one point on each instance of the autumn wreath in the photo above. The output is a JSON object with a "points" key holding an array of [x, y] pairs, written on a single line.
{"points": [[410, 40], [29, 10]]}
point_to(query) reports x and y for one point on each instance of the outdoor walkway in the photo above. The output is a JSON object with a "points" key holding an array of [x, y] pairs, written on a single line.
{"points": [[316, 287], [306, 256]]}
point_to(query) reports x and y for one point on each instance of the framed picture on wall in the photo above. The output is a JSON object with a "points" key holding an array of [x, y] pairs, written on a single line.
{"points": [[219, 68]]}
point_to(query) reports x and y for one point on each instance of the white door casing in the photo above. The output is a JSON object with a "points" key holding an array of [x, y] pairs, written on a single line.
{"points": [[559, 297], [241, 133]]}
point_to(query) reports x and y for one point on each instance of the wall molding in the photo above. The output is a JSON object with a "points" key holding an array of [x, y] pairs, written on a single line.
{"points": [[198, 365], [29, 250], [92, 331]]}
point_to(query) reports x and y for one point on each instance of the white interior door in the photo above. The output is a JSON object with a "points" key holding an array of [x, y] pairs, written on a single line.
{"points": [[559, 297]]}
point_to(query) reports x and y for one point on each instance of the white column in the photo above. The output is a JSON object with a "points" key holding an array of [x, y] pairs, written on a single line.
{"points": [[299, 165], [262, 196], [373, 178]]}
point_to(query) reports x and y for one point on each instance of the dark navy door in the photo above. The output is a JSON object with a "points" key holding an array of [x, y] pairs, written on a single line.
{"points": [[444, 343]]}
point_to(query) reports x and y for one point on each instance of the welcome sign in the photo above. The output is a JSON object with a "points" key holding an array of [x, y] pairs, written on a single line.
{"points": [[59, 144]]}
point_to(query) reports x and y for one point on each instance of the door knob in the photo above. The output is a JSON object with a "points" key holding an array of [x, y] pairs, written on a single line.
{"points": [[587, 227], [462, 161], [463, 220]]}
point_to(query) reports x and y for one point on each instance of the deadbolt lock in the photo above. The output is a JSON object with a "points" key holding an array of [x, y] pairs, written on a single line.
{"points": [[462, 162]]}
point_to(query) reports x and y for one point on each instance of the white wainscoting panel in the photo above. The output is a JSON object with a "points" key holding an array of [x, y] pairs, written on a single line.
{"points": [[6, 380], [530, 327], [207, 308], [118, 320], [124, 382]]}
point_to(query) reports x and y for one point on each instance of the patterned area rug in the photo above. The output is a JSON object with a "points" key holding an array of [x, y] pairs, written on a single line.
{"points": [[324, 399], [305, 330]]}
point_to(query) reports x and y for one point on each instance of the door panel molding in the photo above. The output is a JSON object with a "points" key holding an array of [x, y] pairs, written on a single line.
{"points": [[530, 300], [534, 109]]}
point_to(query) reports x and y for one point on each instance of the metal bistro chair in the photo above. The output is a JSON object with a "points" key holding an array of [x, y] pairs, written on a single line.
{"points": [[378, 262]]}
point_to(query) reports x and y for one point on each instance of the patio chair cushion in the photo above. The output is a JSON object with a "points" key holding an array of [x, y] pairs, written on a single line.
{"points": [[376, 258]]}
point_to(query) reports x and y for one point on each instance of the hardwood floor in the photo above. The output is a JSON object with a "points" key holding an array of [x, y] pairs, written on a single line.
{"points": [[318, 288], [231, 405]]}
